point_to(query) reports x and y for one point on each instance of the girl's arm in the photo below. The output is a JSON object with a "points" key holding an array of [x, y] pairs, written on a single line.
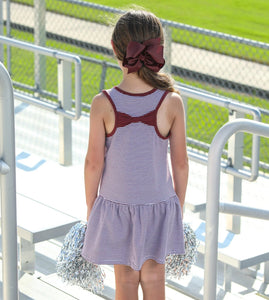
{"points": [[178, 148], [94, 161]]}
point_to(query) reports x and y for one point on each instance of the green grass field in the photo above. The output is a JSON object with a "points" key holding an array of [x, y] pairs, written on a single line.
{"points": [[245, 18], [228, 18]]}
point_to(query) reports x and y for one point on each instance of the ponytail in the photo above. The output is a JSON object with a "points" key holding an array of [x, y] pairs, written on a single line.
{"points": [[158, 80]]}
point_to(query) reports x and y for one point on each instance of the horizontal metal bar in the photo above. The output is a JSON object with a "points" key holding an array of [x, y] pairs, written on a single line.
{"points": [[225, 168], [205, 146], [95, 6], [197, 157], [100, 62], [45, 105], [243, 174], [242, 210], [218, 100], [233, 106], [60, 56], [216, 34], [246, 109], [4, 168], [40, 50]]}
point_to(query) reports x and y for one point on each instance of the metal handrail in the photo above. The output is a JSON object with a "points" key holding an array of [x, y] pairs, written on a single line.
{"points": [[232, 106], [60, 56], [213, 193], [8, 187]]}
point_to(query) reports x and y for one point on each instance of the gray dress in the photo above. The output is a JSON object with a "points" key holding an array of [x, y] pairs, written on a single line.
{"points": [[136, 215]]}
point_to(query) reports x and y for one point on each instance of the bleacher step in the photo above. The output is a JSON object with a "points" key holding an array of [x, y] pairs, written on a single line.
{"points": [[35, 288]]}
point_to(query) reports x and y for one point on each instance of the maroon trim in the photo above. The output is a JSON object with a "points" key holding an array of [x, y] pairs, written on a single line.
{"points": [[135, 94], [156, 110], [115, 111], [117, 124]]}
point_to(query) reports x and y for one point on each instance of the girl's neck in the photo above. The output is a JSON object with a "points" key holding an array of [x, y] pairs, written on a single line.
{"points": [[133, 84]]}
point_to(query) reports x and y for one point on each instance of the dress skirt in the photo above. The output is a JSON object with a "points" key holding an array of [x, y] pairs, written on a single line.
{"points": [[129, 234]]}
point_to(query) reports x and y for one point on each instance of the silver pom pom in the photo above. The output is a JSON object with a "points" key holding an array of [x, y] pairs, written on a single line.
{"points": [[73, 268], [179, 265]]}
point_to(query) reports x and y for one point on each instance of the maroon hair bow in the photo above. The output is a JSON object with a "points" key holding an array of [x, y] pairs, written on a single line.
{"points": [[149, 54]]}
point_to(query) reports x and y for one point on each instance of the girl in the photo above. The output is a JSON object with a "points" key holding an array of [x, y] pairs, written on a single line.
{"points": [[135, 220]]}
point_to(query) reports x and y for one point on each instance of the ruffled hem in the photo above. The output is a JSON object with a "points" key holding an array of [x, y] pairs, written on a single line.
{"points": [[127, 263], [75, 269], [130, 234]]}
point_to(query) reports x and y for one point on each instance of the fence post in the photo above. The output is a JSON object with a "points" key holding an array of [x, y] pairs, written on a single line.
{"points": [[1, 31], [8, 34], [40, 40], [8, 188], [235, 155], [185, 103], [65, 124], [167, 49], [103, 76]]}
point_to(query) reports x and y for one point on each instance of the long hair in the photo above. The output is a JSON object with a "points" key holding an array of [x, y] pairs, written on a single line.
{"points": [[140, 26]]}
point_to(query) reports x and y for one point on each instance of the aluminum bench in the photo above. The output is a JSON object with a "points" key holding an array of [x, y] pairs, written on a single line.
{"points": [[239, 251], [195, 201], [36, 223]]}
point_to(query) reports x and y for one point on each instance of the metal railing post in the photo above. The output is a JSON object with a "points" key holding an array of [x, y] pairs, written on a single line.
{"points": [[8, 33], [65, 124], [167, 49], [213, 190], [185, 103], [40, 40], [103, 76], [235, 155], [8, 187], [1, 31]]}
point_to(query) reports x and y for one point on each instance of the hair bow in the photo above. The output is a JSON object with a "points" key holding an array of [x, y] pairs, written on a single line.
{"points": [[148, 53]]}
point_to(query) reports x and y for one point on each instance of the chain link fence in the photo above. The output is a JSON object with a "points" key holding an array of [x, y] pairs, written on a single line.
{"points": [[230, 66]]}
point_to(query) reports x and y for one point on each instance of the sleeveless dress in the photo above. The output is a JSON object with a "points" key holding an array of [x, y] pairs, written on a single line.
{"points": [[136, 215]]}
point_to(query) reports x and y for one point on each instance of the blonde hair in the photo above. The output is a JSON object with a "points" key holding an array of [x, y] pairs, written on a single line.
{"points": [[140, 26]]}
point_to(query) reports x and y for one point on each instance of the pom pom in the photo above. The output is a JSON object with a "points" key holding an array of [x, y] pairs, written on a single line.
{"points": [[73, 268], [177, 265]]}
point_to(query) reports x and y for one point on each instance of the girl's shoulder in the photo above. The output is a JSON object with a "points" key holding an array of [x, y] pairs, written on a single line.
{"points": [[173, 103], [100, 104]]}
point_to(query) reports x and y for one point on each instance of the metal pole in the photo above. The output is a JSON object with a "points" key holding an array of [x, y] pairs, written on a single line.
{"points": [[242, 210], [235, 155], [8, 188], [213, 187], [103, 76], [65, 124], [8, 34], [40, 40], [1, 31], [167, 49]]}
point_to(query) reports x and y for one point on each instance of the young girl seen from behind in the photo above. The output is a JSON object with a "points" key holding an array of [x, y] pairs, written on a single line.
{"points": [[135, 218]]}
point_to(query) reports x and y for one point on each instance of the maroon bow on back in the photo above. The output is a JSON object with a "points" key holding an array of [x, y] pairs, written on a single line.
{"points": [[124, 119], [149, 54]]}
